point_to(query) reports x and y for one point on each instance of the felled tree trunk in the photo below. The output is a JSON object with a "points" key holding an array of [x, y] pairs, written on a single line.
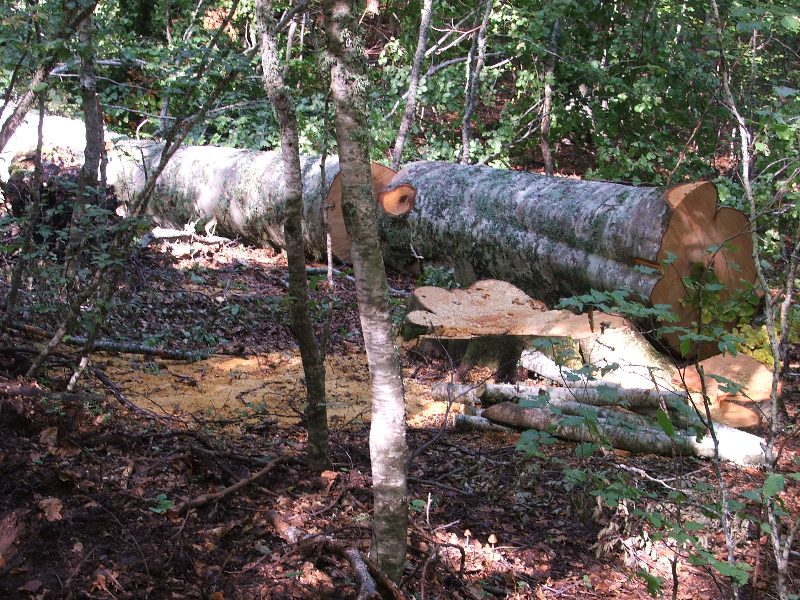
{"points": [[243, 189], [552, 237], [556, 237], [734, 445]]}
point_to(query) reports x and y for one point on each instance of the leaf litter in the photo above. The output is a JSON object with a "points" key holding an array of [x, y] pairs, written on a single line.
{"points": [[89, 490]]}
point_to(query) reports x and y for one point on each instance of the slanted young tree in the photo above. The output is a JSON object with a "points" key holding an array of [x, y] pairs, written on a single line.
{"points": [[313, 366], [388, 430]]}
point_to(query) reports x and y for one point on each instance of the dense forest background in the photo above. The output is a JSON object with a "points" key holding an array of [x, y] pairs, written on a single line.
{"points": [[636, 91]]}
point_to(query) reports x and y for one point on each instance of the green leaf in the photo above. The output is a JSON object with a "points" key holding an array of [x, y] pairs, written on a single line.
{"points": [[785, 92], [754, 495], [163, 504], [791, 23], [773, 485], [737, 571], [39, 87], [585, 449], [728, 386], [665, 423], [654, 584]]}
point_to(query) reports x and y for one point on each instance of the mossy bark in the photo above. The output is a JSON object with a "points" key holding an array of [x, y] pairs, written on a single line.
{"points": [[313, 367], [388, 449], [551, 237]]}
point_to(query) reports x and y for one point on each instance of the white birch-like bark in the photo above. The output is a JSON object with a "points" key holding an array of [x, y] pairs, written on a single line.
{"points": [[413, 84]]}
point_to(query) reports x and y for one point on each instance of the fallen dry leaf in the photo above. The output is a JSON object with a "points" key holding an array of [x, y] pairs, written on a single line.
{"points": [[10, 530], [51, 507], [103, 578], [49, 437], [31, 586]]}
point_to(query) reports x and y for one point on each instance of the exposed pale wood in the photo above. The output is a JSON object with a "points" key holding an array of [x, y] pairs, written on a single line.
{"points": [[740, 409], [753, 376], [488, 307], [340, 240], [399, 201], [696, 224], [730, 413], [625, 357]]}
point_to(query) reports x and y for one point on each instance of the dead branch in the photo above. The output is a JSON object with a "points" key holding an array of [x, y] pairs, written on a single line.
{"points": [[134, 348], [124, 400], [204, 499]]}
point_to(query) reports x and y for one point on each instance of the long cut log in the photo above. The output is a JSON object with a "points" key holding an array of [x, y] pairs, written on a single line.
{"points": [[243, 189], [734, 445], [556, 237]]}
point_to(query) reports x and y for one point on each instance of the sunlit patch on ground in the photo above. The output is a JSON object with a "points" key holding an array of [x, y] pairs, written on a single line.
{"points": [[264, 386]]}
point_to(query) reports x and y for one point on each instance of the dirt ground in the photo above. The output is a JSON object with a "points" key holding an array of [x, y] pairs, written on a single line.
{"points": [[91, 484]]}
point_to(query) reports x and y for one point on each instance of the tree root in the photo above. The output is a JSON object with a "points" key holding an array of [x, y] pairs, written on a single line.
{"points": [[366, 573]]}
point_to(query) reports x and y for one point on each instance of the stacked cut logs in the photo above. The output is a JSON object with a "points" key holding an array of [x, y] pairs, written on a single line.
{"points": [[626, 388]]}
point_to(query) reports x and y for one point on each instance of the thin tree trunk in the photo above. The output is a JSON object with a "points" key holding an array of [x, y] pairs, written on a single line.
{"points": [[40, 75], [313, 367], [413, 85], [547, 104], [388, 449], [477, 55], [88, 192], [33, 213], [780, 538]]}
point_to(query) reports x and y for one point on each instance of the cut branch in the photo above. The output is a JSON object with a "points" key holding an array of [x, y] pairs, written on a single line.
{"points": [[367, 588], [204, 499], [734, 445]]}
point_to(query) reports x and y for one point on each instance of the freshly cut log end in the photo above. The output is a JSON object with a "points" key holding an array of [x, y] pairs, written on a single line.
{"points": [[398, 202], [700, 235], [340, 241]]}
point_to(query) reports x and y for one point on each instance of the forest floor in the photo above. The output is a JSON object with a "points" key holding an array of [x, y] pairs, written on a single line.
{"points": [[91, 484]]}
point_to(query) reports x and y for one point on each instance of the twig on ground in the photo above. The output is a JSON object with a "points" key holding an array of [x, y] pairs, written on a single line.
{"points": [[134, 348], [123, 399], [443, 486], [205, 499]]}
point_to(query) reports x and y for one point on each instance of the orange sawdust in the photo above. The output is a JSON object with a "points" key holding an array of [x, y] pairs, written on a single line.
{"points": [[267, 385]]}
